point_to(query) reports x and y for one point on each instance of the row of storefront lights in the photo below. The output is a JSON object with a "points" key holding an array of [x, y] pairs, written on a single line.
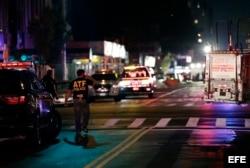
{"points": [[196, 65]]}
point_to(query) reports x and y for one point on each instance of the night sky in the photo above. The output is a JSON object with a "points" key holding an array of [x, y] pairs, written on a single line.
{"points": [[93, 18], [102, 19], [230, 10]]}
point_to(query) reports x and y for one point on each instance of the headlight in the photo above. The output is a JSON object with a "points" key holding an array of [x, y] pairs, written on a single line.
{"points": [[145, 82], [124, 83], [115, 86]]}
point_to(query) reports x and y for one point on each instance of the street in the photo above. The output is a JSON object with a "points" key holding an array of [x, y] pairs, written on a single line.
{"points": [[167, 82], [174, 129]]}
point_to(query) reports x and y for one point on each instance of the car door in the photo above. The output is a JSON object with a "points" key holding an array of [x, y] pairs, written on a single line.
{"points": [[43, 99]]}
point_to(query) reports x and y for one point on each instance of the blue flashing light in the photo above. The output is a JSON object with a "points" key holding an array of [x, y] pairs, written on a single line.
{"points": [[23, 57]]}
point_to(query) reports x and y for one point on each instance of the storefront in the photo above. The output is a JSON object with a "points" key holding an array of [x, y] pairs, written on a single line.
{"points": [[91, 56]]}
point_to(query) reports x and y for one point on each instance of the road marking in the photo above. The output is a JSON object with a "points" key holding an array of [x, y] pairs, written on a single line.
{"points": [[111, 154], [163, 122], [189, 104], [247, 123], [4, 139], [137, 122], [169, 93], [220, 122], [110, 123], [192, 122], [243, 105], [171, 104]]}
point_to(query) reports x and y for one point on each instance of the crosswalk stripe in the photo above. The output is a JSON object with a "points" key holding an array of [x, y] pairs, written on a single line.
{"points": [[4, 139], [247, 123], [163, 122], [192, 122], [110, 123], [171, 104], [137, 122], [220, 122]]}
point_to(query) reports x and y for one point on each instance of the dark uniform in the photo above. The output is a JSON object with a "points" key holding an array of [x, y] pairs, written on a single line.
{"points": [[79, 88], [49, 83]]}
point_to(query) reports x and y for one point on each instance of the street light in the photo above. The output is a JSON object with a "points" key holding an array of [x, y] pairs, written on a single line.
{"points": [[207, 48]]}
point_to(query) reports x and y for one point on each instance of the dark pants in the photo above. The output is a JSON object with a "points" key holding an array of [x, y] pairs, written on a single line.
{"points": [[81, 109]]}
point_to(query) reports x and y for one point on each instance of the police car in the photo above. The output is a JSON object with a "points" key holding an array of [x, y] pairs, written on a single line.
{"points": [[26, 109], [107, 84], [62, 87], [137, 80]]}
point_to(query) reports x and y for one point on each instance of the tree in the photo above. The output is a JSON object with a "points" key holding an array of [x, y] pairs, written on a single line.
{"points": [[49, 34], [166, 62]]}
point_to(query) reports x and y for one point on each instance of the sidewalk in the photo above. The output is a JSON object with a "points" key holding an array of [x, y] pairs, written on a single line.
{"points": [[160, 84]]}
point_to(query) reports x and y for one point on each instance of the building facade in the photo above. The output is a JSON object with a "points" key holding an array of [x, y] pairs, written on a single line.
{"points": [[16, 43]]}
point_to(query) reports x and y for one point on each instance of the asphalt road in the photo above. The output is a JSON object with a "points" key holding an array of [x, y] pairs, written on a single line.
{"points": [[174, 129]]}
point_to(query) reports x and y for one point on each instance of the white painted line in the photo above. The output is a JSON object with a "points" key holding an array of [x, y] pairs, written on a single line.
{"points": [[163, 122], [4, 139], [220, 122], [137, 122], [171, 104], [195, 99], [110, 123], [243, 105], [180, 100], [192, 122], [169, 93], [247, 123]]}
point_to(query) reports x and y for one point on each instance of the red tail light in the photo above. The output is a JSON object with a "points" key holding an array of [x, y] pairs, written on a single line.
{"points": [[14, 99]]}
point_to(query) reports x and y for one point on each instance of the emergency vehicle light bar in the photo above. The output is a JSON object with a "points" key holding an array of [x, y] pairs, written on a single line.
{"points": [[132, 67], [23, 65]]}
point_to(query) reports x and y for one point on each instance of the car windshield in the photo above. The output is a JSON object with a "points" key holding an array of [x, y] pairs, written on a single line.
{"points": [[99, 77], [9, 83], [63, 85], [137, 72]]}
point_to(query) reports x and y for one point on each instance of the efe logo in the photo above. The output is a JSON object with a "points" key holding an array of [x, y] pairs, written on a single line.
{"points": [[237, 159]]}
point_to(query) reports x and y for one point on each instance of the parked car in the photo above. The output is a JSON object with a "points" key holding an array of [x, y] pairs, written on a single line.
{"points": [[137, 80], [62, 87], [26, 109], [107, 84]]}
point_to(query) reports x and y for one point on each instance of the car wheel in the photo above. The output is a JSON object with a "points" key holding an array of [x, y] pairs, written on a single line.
{"points": [[151, 95], [117, 98], [123, 96], [54, 125], [34, 134]]}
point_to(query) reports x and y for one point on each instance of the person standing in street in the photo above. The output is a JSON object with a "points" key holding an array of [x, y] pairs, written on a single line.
{"points": [[79, 88], [50, 84]]}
